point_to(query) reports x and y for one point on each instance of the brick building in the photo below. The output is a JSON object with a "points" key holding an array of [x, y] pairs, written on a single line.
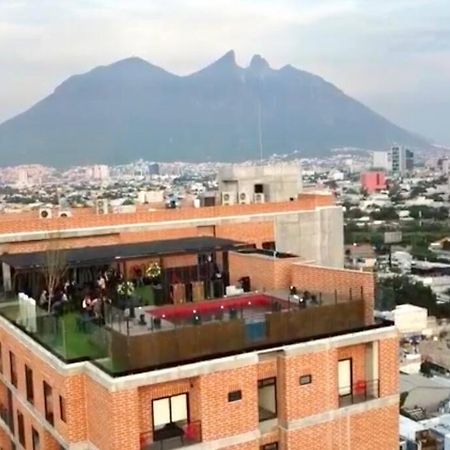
{"points": [[253, 371]]}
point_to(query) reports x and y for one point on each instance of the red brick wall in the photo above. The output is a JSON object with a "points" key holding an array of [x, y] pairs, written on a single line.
{"points": [[221, 418], [388, 366], [370, 430], [321, 395], [10, 223], [265, 273]]}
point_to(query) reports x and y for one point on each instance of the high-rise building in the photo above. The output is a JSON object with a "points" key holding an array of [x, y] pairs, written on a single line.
{"points": [[234, 344], [402, 160]]}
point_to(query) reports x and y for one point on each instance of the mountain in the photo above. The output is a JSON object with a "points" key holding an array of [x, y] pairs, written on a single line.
{"points": [[132, 109]]}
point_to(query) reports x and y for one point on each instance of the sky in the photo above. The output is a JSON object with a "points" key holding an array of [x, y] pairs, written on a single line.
{"points": [[393, 55]]}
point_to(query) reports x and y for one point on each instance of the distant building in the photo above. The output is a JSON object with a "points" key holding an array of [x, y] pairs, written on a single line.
{"points": [[373, 181], [153, 169], [381, 160], [402, 160], [259, 184], [100, 172]]}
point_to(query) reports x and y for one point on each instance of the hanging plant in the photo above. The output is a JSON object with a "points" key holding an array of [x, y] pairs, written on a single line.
{"points": [[125, 288], [153, 271]]}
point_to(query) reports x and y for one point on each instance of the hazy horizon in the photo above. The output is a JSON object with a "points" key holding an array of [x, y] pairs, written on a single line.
{"points": [[391, 55]]}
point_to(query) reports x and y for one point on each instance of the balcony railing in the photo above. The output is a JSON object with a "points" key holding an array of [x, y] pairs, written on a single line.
{"points": [[359, 392], [172, 436]]}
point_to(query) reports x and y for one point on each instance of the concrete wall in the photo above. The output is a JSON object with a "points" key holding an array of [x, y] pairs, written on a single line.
{"points": [[281, 182], [313, 235]]}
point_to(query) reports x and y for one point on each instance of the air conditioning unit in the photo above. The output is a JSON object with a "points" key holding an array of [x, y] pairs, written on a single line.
{"points": [[228, 198], [45, 213], [65, 213], [102, 206], [244, 198], [259, 198]]}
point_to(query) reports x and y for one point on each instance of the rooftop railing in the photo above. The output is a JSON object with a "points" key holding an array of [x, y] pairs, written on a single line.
{"points": [[135, 347]]}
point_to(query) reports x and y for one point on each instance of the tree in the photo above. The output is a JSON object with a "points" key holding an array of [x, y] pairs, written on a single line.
{"points": [[55, 267]]}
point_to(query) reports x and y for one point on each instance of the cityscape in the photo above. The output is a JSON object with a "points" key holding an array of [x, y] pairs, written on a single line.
{"points": [[224, 225]]}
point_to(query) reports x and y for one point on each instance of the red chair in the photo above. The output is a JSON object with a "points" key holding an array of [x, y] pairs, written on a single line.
{"points": [[361, 387], [190, 432]]}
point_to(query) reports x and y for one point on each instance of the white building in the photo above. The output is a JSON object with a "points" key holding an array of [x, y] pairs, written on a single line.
{"points": [[381, 160]]}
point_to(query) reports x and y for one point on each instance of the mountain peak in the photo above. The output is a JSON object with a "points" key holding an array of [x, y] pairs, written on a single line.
{"points": [[258, 63], [133, 109]]}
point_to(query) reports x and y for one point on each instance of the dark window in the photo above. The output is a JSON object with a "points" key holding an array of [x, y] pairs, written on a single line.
{"points": [[267, 399], [62, 408], [21, 428], [271, 446], [13, 368], [36, 440], [270, 245], [305, 379], [234, 396], [48, 403], [259, 189], [29, 384]]}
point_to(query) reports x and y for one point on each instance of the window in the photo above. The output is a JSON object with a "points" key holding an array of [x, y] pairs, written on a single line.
{"points": [[29, 384], [169, 414], [13, 368], [305, 379], [35, 439], [62, 408], [267, 399], [259, 189], [234, 396], [345, 377], [21, 428], [271, 446], [48, 403]]}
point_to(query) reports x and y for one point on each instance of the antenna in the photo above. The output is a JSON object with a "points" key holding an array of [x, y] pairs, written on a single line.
{"points": [[260, 131]]}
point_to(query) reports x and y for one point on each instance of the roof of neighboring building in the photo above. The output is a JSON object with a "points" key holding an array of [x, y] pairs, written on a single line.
{"points": [[424, 392], [30, 222], [108, 253]]}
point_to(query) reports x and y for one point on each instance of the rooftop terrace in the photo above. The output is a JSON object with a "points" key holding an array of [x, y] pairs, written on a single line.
{"points": [[160, 337]]}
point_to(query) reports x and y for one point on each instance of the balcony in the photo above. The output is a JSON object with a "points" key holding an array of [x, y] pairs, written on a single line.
{"points": [[172, 436], [359, 392]]}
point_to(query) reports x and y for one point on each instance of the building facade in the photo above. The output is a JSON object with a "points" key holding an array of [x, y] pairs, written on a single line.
{"points": [[373, 181], [270, 372]]}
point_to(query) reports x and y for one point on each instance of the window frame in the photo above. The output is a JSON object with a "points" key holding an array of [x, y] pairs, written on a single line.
{"points": [[34, 434], [270, 446], [305, 379], [234, 396], [13, 369], [169, 397], [49, 413], [29, 384], [265, 383], [62, 408], [350, 388], [21, 428]]}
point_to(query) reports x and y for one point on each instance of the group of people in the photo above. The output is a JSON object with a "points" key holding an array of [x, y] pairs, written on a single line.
{"points": [[302, 298], [92, 305]]}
